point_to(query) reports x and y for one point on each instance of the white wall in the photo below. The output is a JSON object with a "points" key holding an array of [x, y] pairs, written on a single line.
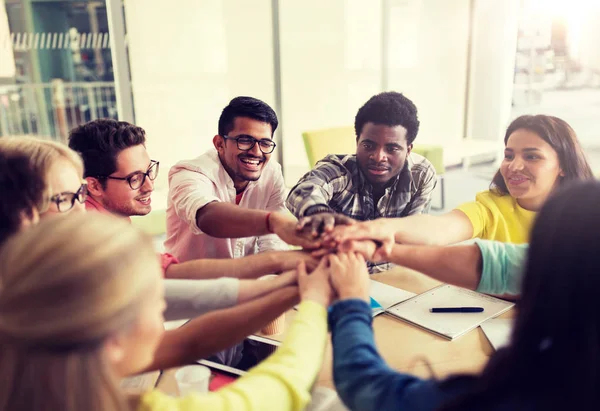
{"points": [[187, 61], [492, 68], [427, 56], [330, 64]]}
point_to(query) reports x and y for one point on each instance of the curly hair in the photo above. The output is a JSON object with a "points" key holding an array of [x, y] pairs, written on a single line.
{"points": [[390, 109]]}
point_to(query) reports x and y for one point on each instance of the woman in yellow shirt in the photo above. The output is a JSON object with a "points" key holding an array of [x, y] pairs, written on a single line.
{"points": [[79, 311], [541, 153]]}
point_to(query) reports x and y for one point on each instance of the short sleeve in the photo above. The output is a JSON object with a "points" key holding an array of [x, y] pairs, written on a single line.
{"points": [[479, 216], [503, 267]]}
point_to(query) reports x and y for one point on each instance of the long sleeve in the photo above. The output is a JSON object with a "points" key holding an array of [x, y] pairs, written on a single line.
{"points": [[362, 379], [191, 298], [503, 266], [318, 186], [189, 191], [281, 382]]}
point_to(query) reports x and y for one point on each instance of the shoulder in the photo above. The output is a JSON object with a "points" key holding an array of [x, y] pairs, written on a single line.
{"points": [[338, 164], [207, 164], [420, 168], [493, 200]]}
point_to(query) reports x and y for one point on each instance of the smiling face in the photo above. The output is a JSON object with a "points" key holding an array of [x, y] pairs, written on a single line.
{"points": [[531, 168], [381, 152], [243, 166], [117, 196]]}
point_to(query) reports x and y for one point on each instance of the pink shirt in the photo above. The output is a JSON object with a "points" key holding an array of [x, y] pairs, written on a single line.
{"points": [[92, 205], [195, 183]]}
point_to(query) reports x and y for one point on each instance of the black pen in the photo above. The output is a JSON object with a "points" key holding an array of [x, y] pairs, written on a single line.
{"points": [[457, 310]]}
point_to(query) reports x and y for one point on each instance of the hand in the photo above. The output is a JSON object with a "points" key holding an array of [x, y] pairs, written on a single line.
{"points": [[376, 230], [316, 286], [288, 260], [370, 250], [286, 278], [349, 276], [285, 227], [320, 223]]}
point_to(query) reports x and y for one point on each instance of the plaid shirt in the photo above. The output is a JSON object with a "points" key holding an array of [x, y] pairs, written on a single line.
{"points": [[337, 183]]}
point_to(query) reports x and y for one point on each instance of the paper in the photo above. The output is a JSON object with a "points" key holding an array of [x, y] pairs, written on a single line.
{"points": [[449, 325], [387, 296], [141, 382], [498, 331]]}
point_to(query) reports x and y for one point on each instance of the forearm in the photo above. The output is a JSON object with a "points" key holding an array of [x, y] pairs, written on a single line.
{"points": [[241, 222], [191, 298], [252, 289], [362, 378], [460, 265], [252, 266], [221, 329], [449, 228]]}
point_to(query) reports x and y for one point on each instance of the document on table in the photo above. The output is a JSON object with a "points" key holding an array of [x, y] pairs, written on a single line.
{"points": [[449, 325], [498, 331], [384, 296]]}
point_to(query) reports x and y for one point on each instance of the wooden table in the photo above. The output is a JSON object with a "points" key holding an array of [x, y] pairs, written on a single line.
{"points": [[404, 346]]}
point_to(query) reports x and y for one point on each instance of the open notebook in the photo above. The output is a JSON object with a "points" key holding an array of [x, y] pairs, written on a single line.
{"points": [[449, 325], [384, 296]]}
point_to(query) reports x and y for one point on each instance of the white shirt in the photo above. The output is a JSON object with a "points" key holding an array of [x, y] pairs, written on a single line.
{"points": [[195, 183]]}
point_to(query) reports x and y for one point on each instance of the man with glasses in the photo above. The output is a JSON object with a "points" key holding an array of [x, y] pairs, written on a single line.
{"points": [[229, 202], [120, 177]]}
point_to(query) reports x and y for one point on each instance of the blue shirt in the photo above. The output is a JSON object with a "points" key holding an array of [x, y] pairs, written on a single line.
{"points": [[365, 382], [503, 267]]}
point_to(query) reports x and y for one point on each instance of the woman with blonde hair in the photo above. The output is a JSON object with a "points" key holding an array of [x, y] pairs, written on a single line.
{"points": [[80, 311]]}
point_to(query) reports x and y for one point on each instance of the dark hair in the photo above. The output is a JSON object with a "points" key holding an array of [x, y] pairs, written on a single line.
{"points": [[246, 107], [553, 361], [389, 109], [99, 142], [22, 192], [561, 137]]}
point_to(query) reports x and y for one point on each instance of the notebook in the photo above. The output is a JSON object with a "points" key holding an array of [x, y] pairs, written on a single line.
{"points": [[449, 325], [498, 331], [384, 296]]}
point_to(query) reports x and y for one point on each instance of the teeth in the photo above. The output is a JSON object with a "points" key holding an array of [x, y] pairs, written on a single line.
{"points": [[248, 161]]}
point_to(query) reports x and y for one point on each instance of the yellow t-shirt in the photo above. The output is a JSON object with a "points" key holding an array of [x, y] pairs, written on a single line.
{"points": [[282, 382], [499, 218]]}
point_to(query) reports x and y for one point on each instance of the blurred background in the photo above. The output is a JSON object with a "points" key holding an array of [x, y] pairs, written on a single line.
{"points": [[470, 66]]}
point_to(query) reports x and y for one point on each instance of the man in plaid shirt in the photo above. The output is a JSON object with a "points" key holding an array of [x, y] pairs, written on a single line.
{"points": [[383, 178]]}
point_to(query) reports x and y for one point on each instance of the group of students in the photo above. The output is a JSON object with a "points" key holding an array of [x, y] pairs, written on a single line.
{"points": [[83, 296]]}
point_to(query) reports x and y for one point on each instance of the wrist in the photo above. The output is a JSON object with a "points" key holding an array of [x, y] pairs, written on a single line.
{"points": [[317, 298], [353, 295], [316, 209]]}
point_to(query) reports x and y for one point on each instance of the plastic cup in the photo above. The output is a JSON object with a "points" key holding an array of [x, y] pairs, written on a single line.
{"points": [[192, 379], [277, 326]]}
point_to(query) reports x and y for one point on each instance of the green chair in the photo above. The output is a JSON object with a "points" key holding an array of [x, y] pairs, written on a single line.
{"points": [[320, 143], [342, 140], [435, 155], [154, 223]]}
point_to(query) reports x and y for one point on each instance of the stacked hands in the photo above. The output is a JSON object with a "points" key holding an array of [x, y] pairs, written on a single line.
{"points": [[339, 248], [328, 233]]}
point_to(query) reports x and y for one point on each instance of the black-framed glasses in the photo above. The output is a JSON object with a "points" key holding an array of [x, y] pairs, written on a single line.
{"points": [[137, 179], [245, 143], [66, 200]]}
